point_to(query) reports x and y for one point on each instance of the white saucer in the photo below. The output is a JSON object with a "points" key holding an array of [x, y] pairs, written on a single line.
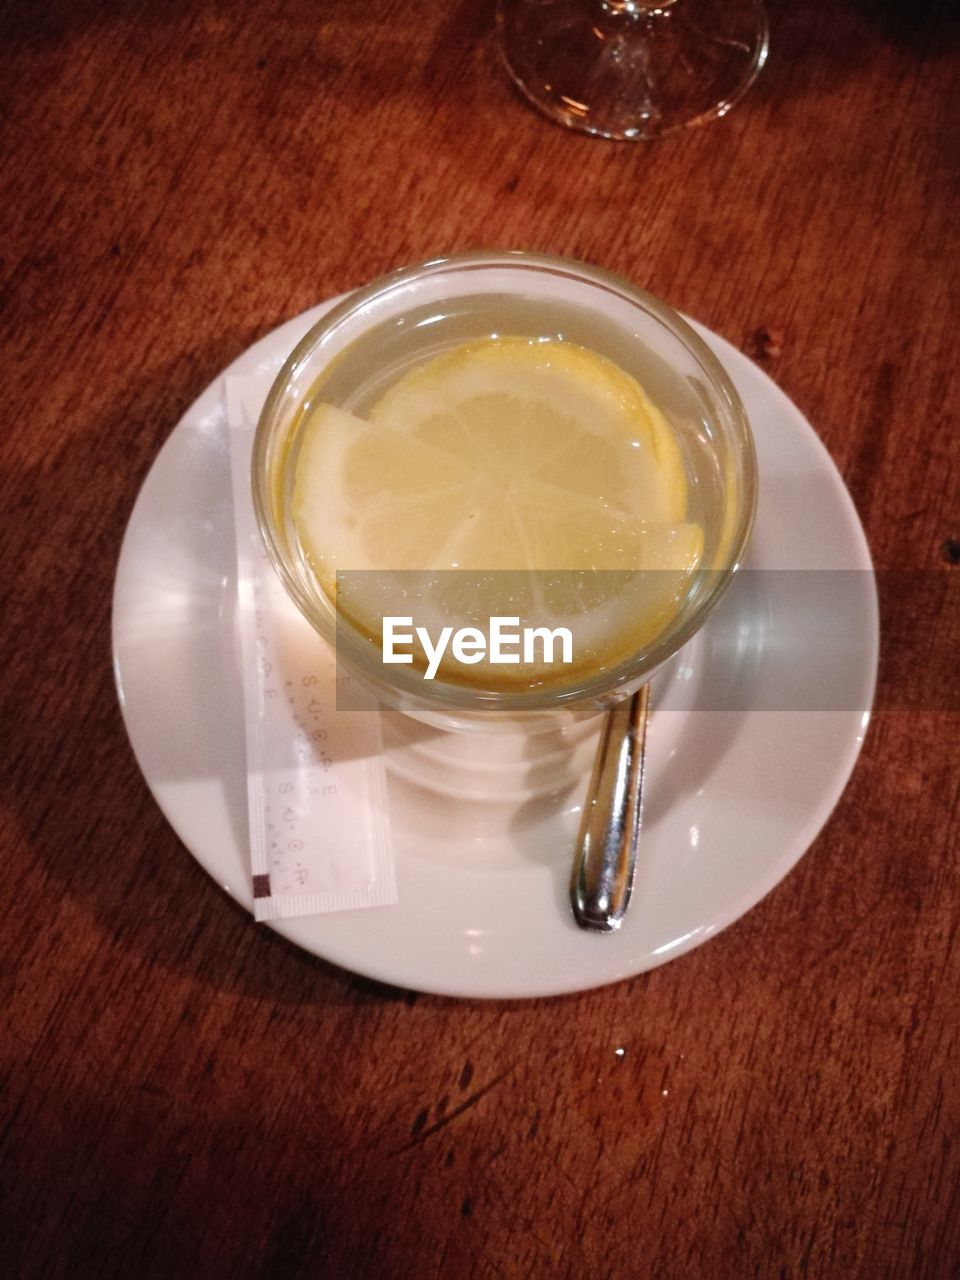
{"points": [[483, 827]]}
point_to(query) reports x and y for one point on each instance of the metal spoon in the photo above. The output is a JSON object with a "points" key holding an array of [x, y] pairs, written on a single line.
{"points": [[606, 852]]}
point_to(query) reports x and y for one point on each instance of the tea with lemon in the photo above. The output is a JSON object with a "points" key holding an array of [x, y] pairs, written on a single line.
{"points": [[507, 455]]}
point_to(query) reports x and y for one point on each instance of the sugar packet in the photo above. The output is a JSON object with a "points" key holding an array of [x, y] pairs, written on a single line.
{"points": [[316, 783]]}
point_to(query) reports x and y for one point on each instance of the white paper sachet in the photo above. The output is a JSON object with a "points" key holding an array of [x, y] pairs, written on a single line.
{"points": [[316, 786]]}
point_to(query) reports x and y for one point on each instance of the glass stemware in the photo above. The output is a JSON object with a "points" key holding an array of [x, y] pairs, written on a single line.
{"points": [[630, 69]]}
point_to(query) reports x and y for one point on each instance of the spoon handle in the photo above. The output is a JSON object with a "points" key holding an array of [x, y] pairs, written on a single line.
{"points": [[606, 852]]}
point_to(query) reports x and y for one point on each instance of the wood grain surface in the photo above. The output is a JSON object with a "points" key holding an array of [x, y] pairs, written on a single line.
{"points": [[184, 1093]]}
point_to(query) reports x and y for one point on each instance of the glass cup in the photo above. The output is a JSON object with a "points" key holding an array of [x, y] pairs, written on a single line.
{"points": [[399, 321]]}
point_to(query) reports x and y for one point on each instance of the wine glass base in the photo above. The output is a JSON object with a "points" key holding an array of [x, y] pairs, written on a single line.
{"points": [[629, 70]]}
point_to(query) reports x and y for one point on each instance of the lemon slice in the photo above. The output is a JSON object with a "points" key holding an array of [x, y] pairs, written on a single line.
{"points": [[506, 455], [530, 415]]}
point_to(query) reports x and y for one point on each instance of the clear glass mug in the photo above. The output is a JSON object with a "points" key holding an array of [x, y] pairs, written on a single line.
{"points": [[409, 316]]}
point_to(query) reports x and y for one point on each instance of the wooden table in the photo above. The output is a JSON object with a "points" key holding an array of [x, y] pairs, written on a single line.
{"points": [[186, 1094]]}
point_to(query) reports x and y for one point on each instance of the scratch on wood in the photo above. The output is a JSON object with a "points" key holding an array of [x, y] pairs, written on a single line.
{"points": [[467, 1103]]}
